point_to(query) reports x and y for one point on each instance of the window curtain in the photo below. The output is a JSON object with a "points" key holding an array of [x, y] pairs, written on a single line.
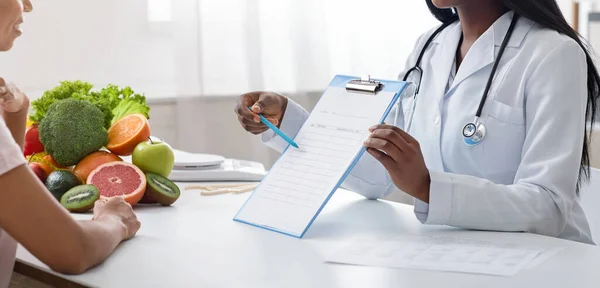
{"points": [[231, 46]]}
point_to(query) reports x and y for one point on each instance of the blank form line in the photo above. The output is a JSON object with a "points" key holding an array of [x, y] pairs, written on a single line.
{"points": [[342, 115], [313, 174], [339, 137], [291, 182], [317, 160], [319, 154], [315, 135], [294, 183], [290, 196], [325, 148], [288, 202], [304, 178], [326, 142], [309, 166], [284, 188]]}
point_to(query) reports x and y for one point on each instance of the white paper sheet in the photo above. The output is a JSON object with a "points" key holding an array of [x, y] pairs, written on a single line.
{"points": [[438, 253], [301, 180]]}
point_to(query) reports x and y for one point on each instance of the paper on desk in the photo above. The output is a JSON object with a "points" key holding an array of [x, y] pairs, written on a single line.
{"points": [[437, 253], [302, 179]]}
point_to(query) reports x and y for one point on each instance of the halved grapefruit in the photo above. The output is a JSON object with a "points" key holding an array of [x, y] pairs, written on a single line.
{"points": [[119, 179]]}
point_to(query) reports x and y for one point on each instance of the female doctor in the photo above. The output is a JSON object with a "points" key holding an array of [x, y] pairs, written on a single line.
{"points": [[497, 137]]}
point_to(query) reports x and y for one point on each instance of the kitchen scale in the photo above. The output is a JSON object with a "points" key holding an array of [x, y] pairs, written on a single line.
{"points": [[194, 167]]}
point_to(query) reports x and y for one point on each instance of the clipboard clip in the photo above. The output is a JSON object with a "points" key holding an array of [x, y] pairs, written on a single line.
{"points": [[364, 84]]}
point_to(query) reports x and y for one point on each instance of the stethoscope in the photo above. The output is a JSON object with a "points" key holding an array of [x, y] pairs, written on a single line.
{"points": [[474, 132]]}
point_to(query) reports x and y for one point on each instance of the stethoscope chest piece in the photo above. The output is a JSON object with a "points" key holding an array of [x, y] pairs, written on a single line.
{"points": [[473, 133]]}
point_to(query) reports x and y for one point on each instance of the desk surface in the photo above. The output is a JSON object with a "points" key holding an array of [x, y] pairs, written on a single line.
{"points": [[195, 243]]}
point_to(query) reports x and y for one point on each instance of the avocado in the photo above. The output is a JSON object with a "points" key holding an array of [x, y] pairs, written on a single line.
{"points": [[61, 181]]}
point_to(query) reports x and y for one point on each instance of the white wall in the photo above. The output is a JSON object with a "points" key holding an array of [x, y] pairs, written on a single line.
{"points": [[107, 41], [565, 6], [111, 41]]}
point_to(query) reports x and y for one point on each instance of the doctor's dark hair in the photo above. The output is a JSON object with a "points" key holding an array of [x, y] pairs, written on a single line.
{"points": [[547, 14]]}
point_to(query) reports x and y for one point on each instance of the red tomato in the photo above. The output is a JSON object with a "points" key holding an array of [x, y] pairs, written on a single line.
{"points": [[32, 141]]}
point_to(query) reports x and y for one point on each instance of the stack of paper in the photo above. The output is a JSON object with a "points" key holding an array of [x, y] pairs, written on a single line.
{"points": [[441, 254]]}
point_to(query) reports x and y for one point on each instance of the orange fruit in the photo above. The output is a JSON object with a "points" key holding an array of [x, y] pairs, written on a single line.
{"points": [[127, 133], [47, 168], [92, 161], [119, 179], [50, 160]]}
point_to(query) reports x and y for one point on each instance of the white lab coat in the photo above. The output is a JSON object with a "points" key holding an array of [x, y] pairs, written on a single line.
{"points": [[523, 175]]}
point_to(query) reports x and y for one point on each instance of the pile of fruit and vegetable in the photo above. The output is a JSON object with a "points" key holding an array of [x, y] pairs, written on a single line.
{"points": [[76, 138]]}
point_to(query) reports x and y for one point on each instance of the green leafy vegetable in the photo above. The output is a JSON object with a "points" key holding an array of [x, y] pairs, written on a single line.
{"points": [[113, 102], [65, 90], [130, 103]]}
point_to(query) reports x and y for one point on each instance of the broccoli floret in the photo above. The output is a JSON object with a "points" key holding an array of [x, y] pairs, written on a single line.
{"points": [[71, 130]]}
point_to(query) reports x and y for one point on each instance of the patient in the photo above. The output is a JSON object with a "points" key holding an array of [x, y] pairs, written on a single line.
{"points": [[28, 212]]}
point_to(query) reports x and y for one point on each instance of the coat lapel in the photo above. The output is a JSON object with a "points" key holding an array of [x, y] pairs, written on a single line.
{"points": [[443, 58], [480, 55], [484, 50]]}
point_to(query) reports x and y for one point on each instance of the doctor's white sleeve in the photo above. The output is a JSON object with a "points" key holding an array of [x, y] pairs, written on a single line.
{"points": [[543, 193], [368, 177]]}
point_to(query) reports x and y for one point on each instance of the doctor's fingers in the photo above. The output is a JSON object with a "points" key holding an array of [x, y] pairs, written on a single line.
{"points": [[388, 163], [269, 103], [409, 139], [395, 138], [242, 110], [252, 127], [251, 123], [388, 148]]}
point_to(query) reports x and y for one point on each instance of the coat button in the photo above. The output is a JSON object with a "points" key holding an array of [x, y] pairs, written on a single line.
{"points": [[437, 120]]}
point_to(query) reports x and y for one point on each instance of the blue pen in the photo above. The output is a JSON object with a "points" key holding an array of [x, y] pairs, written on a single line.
{"points": [[276, 130]]}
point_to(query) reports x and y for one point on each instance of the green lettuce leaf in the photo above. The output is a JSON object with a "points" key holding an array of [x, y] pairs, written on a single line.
{"points": [[130, 103], [66, 90]]}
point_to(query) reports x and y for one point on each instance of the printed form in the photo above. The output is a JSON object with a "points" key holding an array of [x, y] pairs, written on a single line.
{"points": [[302, 180], [441, 253]]}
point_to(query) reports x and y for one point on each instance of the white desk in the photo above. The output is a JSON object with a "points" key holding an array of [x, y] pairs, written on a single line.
{"points": [[195, 243]]}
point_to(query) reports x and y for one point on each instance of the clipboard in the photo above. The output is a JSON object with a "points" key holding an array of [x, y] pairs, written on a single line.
{"points": [[291, 209]]}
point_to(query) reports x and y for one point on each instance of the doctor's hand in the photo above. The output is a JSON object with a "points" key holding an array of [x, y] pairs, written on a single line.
{"points": [[271, 105], [401, 156]]}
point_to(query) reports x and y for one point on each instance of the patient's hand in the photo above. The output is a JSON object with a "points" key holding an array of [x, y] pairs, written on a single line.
{"points": [[271, 105], [117, 209], [12, 100]]}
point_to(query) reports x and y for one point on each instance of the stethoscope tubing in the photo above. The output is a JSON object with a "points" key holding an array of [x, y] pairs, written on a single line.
{"points": [[477, 136]]}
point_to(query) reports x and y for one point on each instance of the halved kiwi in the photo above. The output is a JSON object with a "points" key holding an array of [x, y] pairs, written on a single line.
{"points": [[161, 189], [80, 199]]}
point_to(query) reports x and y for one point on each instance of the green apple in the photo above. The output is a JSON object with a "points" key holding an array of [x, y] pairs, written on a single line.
{"points": [[154, 156]]}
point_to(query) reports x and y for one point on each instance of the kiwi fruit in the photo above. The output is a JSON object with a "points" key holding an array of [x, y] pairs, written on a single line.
{"points": [[161, 189], [60, 181], [80, 199], [147, 199]]}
